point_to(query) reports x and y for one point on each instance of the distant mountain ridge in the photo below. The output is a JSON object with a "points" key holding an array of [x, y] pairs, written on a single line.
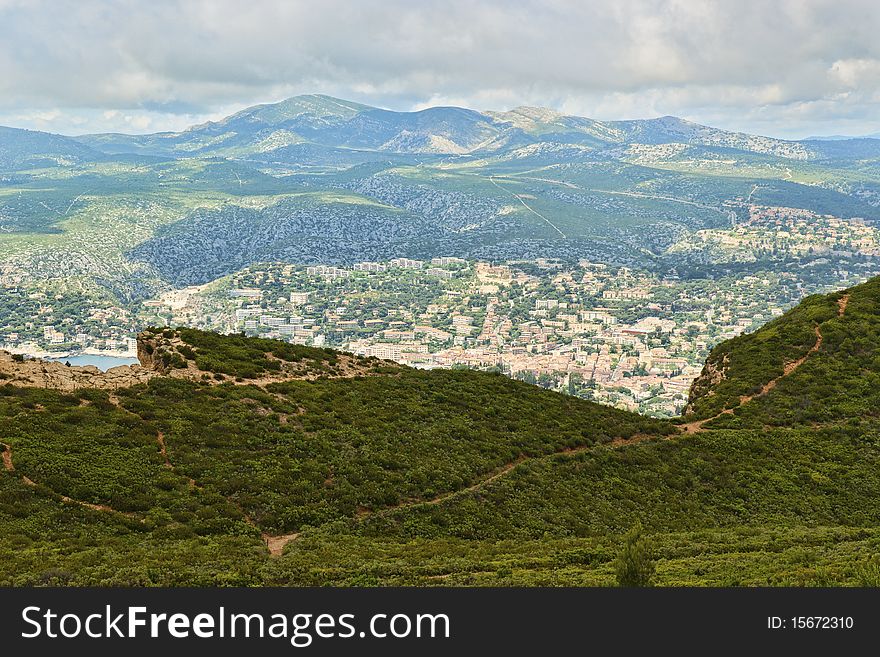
{"points": [[30, 148], [875, 135], [338, 123], [320, 180], [280, 131]]}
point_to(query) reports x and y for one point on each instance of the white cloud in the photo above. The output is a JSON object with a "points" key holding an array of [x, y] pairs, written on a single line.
{"points": [[788, 67]]}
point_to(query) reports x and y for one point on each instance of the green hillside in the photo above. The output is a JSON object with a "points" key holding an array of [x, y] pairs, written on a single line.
{"points": [[97, 485], [299, 466], [26, 149], [817, 366]]}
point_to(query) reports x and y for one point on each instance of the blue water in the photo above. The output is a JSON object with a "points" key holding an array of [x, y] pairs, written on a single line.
{"points": [[103, 363]]}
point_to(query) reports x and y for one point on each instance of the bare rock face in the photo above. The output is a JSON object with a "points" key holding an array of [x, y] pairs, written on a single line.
{"points": [[35, 373], [703, 386], [163, 354], [157, 351], [146, 352], [58, 376]]}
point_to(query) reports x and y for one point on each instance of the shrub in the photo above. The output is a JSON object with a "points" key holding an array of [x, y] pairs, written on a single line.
{"points": [[634, 565]]}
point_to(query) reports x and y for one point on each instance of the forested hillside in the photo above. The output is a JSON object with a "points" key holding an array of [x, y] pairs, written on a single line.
{"points": [[299, 466]]}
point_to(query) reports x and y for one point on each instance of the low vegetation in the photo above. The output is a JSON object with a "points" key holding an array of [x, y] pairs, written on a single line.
{"points": [[397, 476], [243, 358]]}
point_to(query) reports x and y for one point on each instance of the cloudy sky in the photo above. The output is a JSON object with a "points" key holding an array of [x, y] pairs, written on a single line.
{"points": [[788, 68]]}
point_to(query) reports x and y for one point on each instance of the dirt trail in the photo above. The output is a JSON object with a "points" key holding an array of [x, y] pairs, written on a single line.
{"points": [[508, 467], [697, 426], [276, 544], [10, 467], [160, 438], [96, 507], [519, 198], [7, 458], [788, 369], [497, 474], [623, 442]]}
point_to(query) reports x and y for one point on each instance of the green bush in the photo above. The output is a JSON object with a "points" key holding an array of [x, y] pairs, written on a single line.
{"points": [[634, 565]]}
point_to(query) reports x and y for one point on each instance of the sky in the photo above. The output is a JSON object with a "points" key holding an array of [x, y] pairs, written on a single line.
{"points": [[783, 68]]}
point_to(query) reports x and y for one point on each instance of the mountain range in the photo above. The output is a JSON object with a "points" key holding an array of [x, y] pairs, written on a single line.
{"points": [[315, 179], [228, 460], [319, 120], [339, 124]]}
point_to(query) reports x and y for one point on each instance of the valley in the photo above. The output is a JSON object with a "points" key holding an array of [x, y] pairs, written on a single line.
{"points": [[438, 348], [104, 235], [254, 462]]}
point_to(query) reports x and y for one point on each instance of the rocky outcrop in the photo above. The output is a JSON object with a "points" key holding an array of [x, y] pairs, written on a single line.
{"points": [[36, 373], [164, 353], [146, 349], [703, 386], [58, 376]]}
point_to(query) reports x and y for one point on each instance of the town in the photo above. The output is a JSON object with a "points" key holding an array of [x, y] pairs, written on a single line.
{"points": [[632, 339], [622, 336]]}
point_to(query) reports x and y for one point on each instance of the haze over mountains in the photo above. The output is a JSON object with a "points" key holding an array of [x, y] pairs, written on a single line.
{"points": [[487, 342], [216, 469], [340, 124], [116, 221], [336, 123]]}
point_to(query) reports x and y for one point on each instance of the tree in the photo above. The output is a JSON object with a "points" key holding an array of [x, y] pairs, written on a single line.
{"points": [[634, 565]]}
